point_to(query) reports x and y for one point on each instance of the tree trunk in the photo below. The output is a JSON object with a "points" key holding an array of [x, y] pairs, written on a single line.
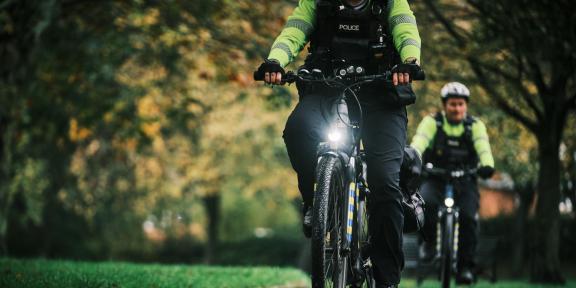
{"points": [[545, 266], [212, 206], [5, 195], [526, 194]]}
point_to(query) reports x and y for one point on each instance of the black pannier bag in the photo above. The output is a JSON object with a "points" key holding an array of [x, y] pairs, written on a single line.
{"points": [[410, 180]]}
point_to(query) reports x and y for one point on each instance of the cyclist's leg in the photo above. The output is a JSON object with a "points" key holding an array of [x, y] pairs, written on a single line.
{"points": [[384, 134], [468, 200], [431, 191], [302, 134]]}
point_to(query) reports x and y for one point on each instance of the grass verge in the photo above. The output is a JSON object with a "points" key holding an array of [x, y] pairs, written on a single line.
{"points": [[49, 273]]}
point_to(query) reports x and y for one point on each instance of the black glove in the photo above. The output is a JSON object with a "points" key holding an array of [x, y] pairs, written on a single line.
{"points": [[485, 172], [416, 73], [269, 66]]}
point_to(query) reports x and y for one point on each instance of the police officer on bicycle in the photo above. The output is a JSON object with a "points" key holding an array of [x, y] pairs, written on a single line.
{"points": [[374, 35], [451, 140]]}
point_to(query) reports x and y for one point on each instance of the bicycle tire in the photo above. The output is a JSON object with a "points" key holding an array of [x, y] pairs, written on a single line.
{"points": [[447, 249], [328, 264]]}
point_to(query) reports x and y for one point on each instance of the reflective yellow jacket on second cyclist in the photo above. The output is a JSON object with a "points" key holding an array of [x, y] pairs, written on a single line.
{"points": [[426, 132]]}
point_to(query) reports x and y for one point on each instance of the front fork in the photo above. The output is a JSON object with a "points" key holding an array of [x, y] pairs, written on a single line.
{"points": [[444, 212], [361, 262]]}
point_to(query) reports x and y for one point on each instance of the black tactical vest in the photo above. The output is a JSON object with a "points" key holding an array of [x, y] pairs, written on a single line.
{"points": [[344, 36], [451, 152]]}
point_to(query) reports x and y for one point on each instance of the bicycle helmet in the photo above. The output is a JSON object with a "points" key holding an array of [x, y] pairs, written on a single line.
{"points": [[455, 90]]}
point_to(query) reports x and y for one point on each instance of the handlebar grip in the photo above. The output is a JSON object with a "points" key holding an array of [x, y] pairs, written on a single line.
{"points": [[288, 77], [416, 73], [419, 75]]}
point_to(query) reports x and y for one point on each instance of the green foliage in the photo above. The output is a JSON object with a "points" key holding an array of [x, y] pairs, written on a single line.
{"points": [[280, 98], [266, 210], [123, 115]]}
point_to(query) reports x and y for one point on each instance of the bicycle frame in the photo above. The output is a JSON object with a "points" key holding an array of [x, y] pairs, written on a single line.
{"points": [[447, 210], [348, 150], [448, 214]]}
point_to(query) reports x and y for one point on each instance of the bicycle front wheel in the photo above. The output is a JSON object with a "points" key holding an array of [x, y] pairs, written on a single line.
{"points": [[447, 249], [328, 262]]}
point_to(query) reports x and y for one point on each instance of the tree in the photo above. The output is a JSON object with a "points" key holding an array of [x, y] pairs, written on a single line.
{"points": [[105, 113], [22, 25], [521, 54], [65, 106]]}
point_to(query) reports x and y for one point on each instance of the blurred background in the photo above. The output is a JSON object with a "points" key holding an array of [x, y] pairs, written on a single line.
{"points": [[132, 130]]}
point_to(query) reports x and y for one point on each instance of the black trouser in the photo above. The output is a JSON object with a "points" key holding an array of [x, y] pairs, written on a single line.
{"points": [[384, 137], [467, 200]]}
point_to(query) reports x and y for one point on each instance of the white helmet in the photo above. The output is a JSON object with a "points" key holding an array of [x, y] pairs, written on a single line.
{"points": [[455, 89]]}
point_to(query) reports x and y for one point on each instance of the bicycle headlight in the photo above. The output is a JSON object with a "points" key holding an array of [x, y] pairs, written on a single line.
{"points": [[335, 136], [449, 202]]}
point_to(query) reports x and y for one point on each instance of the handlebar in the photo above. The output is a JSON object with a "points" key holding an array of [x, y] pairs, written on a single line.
{"points": [[349, 74], [447, 173]]}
